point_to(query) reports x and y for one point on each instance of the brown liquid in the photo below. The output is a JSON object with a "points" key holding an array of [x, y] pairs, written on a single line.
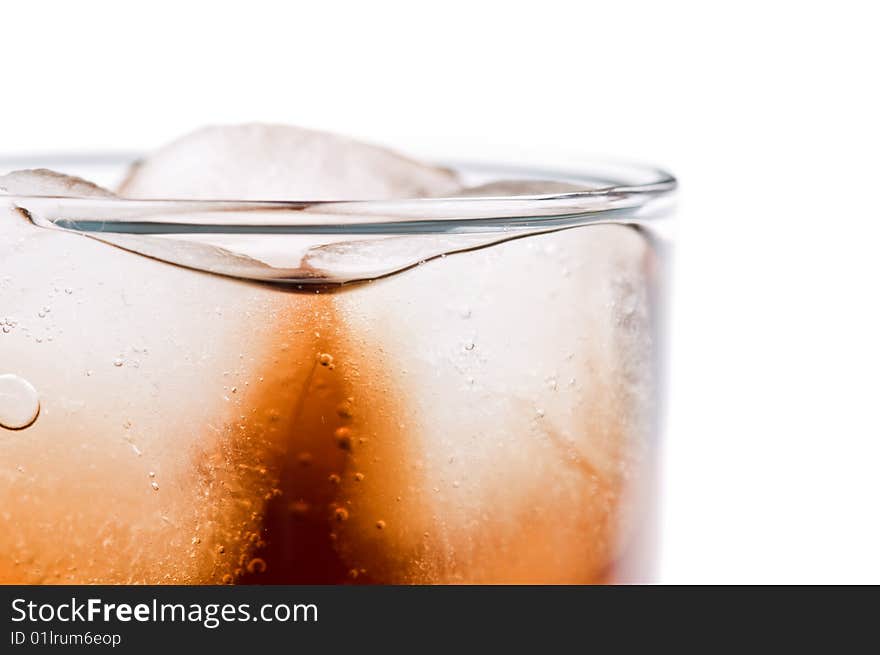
{"points": [[299, 525], [351, 446]]}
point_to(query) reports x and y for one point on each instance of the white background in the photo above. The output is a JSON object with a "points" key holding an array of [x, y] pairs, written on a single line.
{"points": [[766, 111]]}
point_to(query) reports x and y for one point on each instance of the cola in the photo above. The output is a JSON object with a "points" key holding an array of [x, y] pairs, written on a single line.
{"points": [[277, 356]]}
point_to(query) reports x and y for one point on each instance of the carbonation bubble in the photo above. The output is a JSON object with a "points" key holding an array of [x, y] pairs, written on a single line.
{"points": [[19, 402], [257, 565], [343, 438]]}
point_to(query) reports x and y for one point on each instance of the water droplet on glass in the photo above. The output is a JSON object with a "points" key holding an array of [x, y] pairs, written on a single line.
{"points": [[19, 402], [380, 525], [117, 362]]}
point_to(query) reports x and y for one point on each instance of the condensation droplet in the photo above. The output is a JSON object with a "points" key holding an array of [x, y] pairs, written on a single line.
{"points": [[19, 402]]}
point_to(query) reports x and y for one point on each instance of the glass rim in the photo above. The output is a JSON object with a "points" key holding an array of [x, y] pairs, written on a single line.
{"points": [[614, 192]]}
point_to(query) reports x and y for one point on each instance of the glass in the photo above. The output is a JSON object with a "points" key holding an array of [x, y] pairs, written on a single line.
{"points": [[443, 390]]}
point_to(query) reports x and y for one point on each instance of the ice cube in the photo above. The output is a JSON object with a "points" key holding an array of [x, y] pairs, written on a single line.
{"points": [[142, 368], [523, 187], [45, 182], [177, 407], [505, 398], [276, 162]]}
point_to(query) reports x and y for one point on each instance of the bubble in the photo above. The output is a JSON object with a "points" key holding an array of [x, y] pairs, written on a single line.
{"points": [[299, 508], [333, 478], [340, 514], [344, 410], [380, 525], [226, 579], [155, 485], [325, 359], [359, 477], [19, 402], [257, 565], [343, 438], [117, 362]]}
